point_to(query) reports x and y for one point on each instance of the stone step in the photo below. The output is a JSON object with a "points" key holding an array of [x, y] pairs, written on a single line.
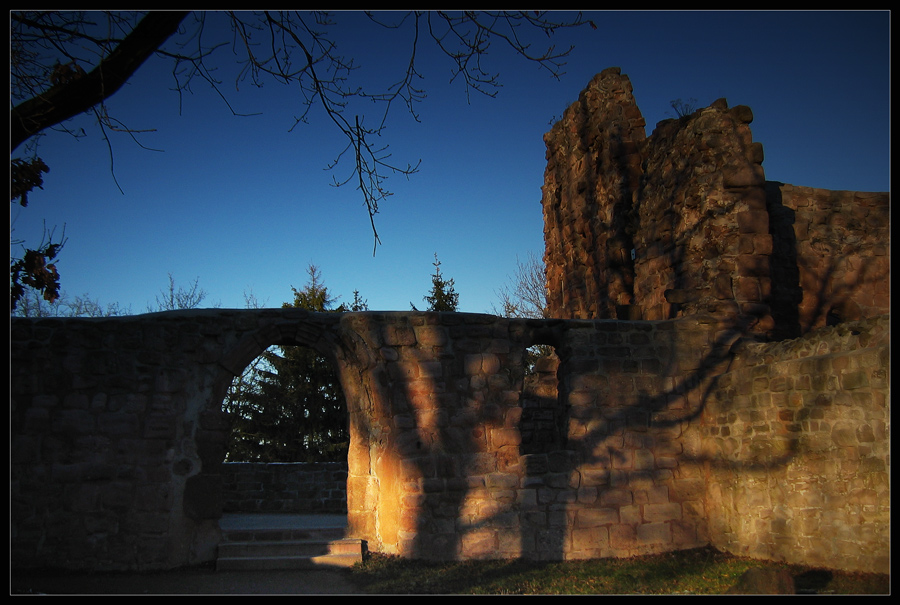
{"points": [[289, 548], [286, 542], [268, 563], [276, 535], [292, 554]]}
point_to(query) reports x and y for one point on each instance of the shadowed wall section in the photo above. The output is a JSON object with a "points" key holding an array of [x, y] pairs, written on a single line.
{"points": [[672, 434]]}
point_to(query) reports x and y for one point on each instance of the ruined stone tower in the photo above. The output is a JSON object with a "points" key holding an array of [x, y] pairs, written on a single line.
{"points": [[683, 222], [593, 172]]}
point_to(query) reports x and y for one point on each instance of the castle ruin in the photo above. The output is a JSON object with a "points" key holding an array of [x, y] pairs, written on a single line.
{"points": [[721, 377]]}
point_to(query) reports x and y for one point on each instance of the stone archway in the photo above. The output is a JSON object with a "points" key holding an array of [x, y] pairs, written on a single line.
{"points": [[202, 500], [291, 388]]}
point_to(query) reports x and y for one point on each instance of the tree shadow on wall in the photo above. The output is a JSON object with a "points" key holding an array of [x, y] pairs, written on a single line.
{"points": [[419, 453], [665, 393], [445, 455], [542, 525], [456, 435], [837, 264], [755, 457], [445, 451], [624, 442], [540, 521]]}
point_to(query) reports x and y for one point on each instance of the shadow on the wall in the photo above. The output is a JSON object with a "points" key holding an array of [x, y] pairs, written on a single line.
{"points": [[821, 286]]}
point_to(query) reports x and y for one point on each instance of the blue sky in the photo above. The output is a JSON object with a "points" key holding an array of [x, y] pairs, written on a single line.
{"points": [[245, 206]]}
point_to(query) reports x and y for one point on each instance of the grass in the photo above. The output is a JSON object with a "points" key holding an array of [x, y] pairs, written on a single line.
{"points": [[698, 571]]}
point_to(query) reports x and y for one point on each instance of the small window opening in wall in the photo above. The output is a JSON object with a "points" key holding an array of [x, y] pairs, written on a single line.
{"points": [[287, 406], [541, 425], [633, 254]]}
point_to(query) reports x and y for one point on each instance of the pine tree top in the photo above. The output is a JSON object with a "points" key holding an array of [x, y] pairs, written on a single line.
{"points": [[443, 295]]}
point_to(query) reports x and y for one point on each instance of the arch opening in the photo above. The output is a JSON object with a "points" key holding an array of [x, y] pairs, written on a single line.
{"points": [[287, 434], [542, 424], [287, 406]]}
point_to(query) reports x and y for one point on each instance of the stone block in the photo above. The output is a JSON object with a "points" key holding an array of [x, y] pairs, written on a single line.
{"points": [[595, 517], [399, 335], [505, 437], [590, 540], [595, 477], [661, 512], [654, 533], [118, 424], [753, 265], [644, 460], [73, 422], [431, 336], [681, 296], [854, 380], [616, 497], [622, 537], [743, 175], [630, 515]]}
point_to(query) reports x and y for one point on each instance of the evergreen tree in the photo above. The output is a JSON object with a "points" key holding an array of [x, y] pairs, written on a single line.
{"points": [[358, 304], [293, 410], [443, 296]]}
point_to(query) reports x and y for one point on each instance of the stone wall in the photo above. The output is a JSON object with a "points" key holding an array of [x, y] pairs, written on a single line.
{"points": [[797, 438], [455, 478], [118, 436], [831, 256], [294, 488], [683, 222]]}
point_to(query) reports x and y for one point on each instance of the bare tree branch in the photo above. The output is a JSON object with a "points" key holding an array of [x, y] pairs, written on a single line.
{"points": [[77, 94], [52, 51]]}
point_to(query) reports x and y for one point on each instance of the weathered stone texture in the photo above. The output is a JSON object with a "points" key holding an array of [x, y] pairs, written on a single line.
{"points": [[798, 442], [702, 232], [831, 261], [684, 222], [593, 168], [644, 437]]}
